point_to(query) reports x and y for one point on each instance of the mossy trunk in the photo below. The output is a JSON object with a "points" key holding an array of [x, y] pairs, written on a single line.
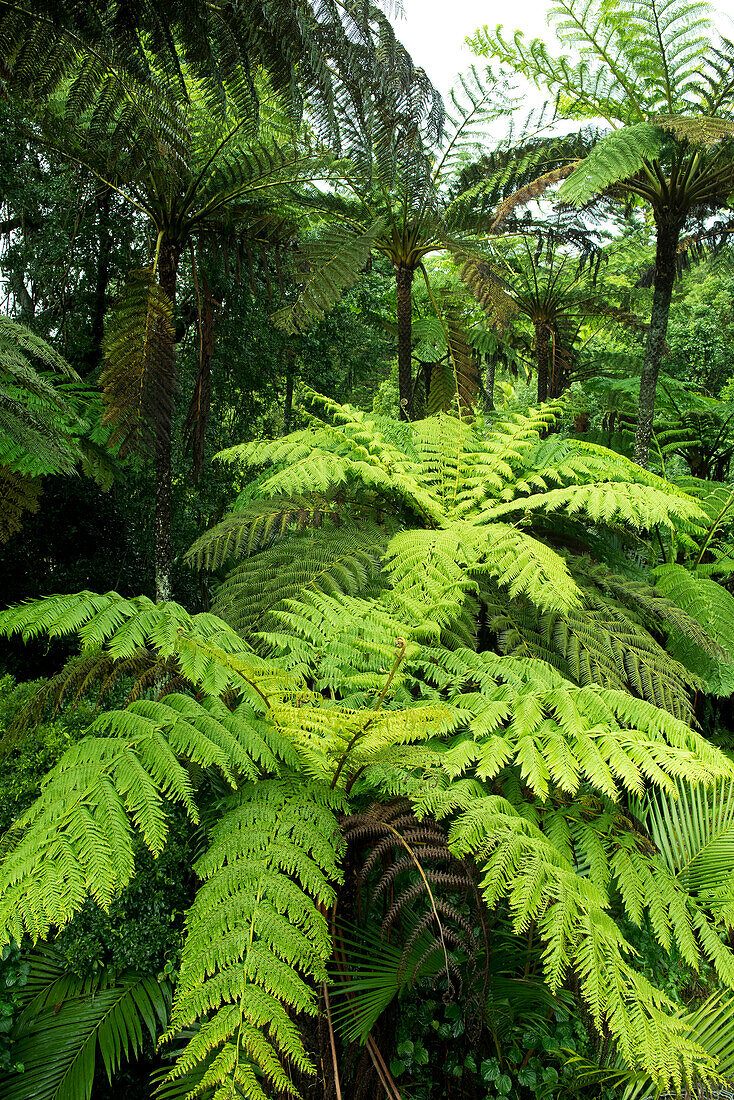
{"points": [[669, 230], [404, 284], [163, 552]]}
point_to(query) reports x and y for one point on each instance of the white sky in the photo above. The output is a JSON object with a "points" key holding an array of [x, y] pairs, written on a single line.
{"points": [[433, 31]]}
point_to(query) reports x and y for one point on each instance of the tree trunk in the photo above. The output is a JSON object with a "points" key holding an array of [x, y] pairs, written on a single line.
{"points": [[404, 283], [290, 374], [559, 362], [488, 393], [99, 301], [665, 264], [163, 553], [542, 351]]}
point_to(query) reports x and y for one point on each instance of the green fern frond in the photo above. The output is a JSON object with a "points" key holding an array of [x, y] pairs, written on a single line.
{"points": [[331, 560], [526, 567], [545, 883], [712, 607], [253, 526], [334, 261], [614, 159], [256, 938], [18, 494], [642, 507], [698, 129]]}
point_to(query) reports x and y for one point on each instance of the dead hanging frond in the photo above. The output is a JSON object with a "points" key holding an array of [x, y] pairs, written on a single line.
{"points": [[707, 244], [699, 130], [490, 291], [427, 898], [18, 494], [454, 376], [138, 380], [197, 417], [531, 191], [626, 317], [95, 675]]}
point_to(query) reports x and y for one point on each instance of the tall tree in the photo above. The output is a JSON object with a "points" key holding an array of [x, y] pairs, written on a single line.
{"points": [[650, 70], [197, 164], [209, 182], [403, 205], [549, 274]]}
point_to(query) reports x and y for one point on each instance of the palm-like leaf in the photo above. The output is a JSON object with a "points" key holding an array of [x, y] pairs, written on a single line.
{"points": [[70, 1023], [694, 834]]}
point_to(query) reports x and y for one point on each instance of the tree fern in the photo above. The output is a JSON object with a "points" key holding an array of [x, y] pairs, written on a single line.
{"points": [[352, 699], [456, 492]]}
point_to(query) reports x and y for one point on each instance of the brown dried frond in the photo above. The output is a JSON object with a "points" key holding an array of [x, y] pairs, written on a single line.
{"points": [[139, 378], [533, 190], [490, 291], [18, 494], [405, 867]]}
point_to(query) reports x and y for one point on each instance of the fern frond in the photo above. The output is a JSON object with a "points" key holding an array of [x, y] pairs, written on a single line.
{"points": [[543, 882], [341, 560], [252, 527], [334, 262], [643, 507], [614, 159], [18, 494], [70, 1021], [712, 607], [138, 379], [256, 938]]}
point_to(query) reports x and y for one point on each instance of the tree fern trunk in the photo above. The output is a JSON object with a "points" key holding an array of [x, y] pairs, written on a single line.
{"points": [[163, 553], [665, 264], [489, 383], [290, 374], [99, 302], [404, 283], [542, 351], [559, 366]]}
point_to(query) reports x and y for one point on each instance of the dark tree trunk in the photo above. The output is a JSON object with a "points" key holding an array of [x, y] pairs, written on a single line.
{"points": [[488, 392], [197, 418], [290, 374], [167, 274], [560, 359], [404, 283], [669, 230], [542, 353], [99, 301], [427, 375]]}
